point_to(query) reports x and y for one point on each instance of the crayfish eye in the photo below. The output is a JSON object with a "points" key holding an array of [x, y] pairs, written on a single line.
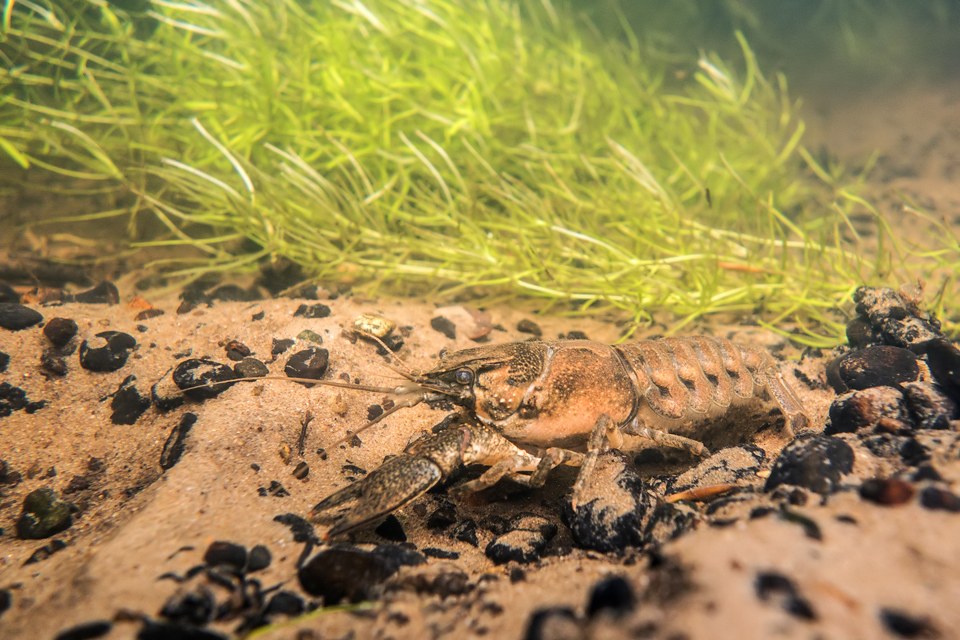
{"points": [[463, 376]]}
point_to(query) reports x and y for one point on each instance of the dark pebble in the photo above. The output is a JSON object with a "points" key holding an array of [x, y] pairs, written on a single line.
{"points": [[553, 623], [165, 395], [234, 293], [146, 314], [193, 607], [444, 584], [301, 471], [275, 489], [309, 363], [526, 538], [943, 359], [259, 558], [312, 311], [174, 631], [226, 554], [913, 453], [813, 462], [346, 573], [16, 316], [613, 596], [258, 316], [301, 529], [310, 336], [128, 404], [279, 346], [7, 476], [4, 361], [77, 484], [614, 508], [43, 515], [880, 366], [6, 600], [810, 527], [770, 584], [889, 491], [926, 472], [940, 499], [576, 335], [928, 406], [192, 376], [53, 364], [86, 631], [391, 529], [864, 410], [444, 326], [236, 350], [8, 294], [913, 333], [46, 551], [905, 625], [103, 293], [60, 331], [860, 333], [517, 575], [14, 399], [442, 517], [374, 411], [466, 531], [176, 441], [529, 326], [250, 368], [108, 351], [442, 554], [286, 603]]}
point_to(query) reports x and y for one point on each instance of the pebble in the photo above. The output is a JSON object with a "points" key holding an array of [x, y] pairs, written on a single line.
{"points": [[234, 293], [897, 320], [553, 623], [259, 558], [440, 582], [864, 409], [880, 366], [60, 331], [8, 294], [860, 333], [669, 521], [443, 516], [7, 476], [301, 471], [769, 584], [310, 336], [442, 554], [391, 529], [312, 311], [815, 462], [309, 363], [250, 368], [108, 351], [176, 442], [174, 631], [279, 346], [928, 406], [940, 499], [128, 403], [347, 573], [43, 515], [196, 372], [943, 359], [611, 596], [236, 350], [46, 551], [526, 538], [613, 509], [103, 293], [301, 529], [4, 361], [374, 325], [86, 631], [166, 396], [286, 603], [15, 317], [52, 363], [466, 531], [195, 607], [230, 555], [529, 326], [444, 326], [905, 625], [889, 491], [6, 600]]}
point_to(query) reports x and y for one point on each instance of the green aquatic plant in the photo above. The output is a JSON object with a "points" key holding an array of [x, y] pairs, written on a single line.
{"points": [[439, 147]]}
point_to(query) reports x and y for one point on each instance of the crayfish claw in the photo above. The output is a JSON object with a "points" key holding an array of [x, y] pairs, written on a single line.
{"points": [[397, 482]]}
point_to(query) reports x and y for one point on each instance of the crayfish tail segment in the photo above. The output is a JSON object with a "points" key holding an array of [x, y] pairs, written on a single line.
{"points": [[396, 483]]}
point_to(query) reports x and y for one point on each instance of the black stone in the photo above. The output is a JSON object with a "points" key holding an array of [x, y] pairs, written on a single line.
{"points": [[466, 531], [442, 517], [250, 368], [7, 476], [233, 293], [860, 333], [279, 346], [943, 358], [525, 540], [60, 331], [374, 411], [193, 607], [86, 631], [529, 326], [8, 294], [43, 515], [865, 408], [576, 335], [230, 555], [301, 529], [346, 573], [613, 596], [103, 293], [391, 529], [940, 499], [259, 558], [301, 471], [46, 551], [175, 631], [880, 366], [4, 361], [444, 326], [53, 364], [771, 584], [905, 625], [442, 554], [553, 623], [108, 351], [309, 363], [286, 603], [312, 311], [15, 317], [202, 379], [928, 406], [176, 441], [127, 404], [815, 462]]}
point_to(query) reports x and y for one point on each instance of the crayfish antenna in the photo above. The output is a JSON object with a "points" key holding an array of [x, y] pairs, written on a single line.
{"points": [[404, 402], [406, 368]]}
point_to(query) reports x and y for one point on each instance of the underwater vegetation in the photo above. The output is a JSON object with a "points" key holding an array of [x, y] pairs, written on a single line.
{"points": [[482, 147]]}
